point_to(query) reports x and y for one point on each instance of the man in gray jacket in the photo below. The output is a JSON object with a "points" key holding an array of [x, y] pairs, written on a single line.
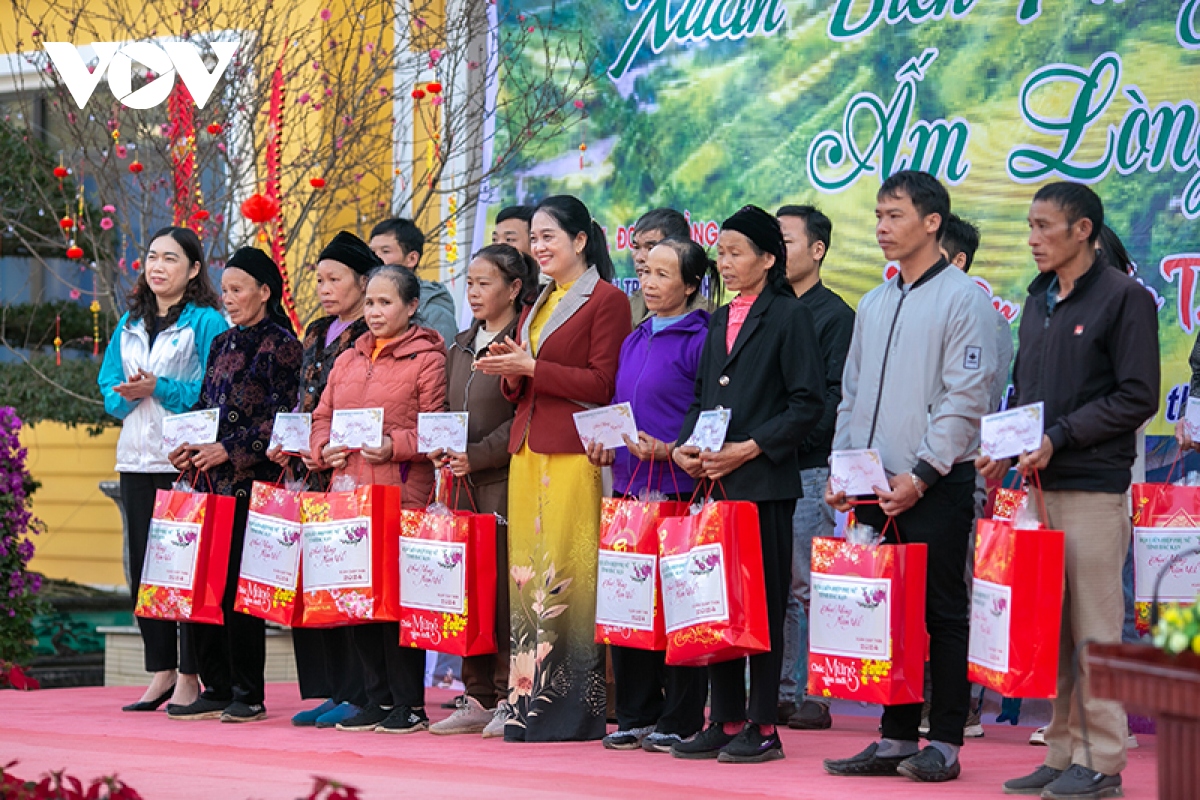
{"points": [[918, 377], [399, 241]]}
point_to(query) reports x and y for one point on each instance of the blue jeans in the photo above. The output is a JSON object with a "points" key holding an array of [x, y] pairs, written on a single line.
{"points": [[813, 517]]}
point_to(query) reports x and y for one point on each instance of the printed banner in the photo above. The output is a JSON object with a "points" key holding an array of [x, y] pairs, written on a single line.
{"points": [[337, 555]]}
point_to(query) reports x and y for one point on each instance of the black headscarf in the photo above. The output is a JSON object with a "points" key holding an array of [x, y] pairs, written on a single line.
{"points": [[258, 265], [761, 228], [348, 249]]}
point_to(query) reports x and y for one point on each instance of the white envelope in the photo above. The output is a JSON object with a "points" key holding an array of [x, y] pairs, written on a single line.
{"points": [[710, 430], [606, 425], [356, 428], [292, 432], [195, 427], [856, 472], [442, 432], [1010, 433]]}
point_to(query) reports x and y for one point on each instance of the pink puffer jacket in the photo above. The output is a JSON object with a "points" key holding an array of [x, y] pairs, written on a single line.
{"points": [[408, 378]]}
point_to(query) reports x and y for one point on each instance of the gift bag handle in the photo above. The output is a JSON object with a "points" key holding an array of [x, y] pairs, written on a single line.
{"points": [[1037, 481]]}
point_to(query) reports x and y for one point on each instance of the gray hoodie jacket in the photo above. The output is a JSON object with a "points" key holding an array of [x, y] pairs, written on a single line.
{"points": [[920, 373]]}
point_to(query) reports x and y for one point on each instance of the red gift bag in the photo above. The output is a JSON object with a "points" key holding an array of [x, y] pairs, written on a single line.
{"points": [[713, 589], [187, 555], [866, 622], [447, 582], [270, 570], [1166, 521], [347, 538], [1016, 609], [628, 596]]}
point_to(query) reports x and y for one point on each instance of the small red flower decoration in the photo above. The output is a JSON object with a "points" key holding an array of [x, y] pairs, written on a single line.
{"points": [[316, 183], [60, 172], [136, 265], [417, 94], [136, 167], [74, 251], [434, 88], [259, 208], [66, 223], [215, 128], [200, 215]]}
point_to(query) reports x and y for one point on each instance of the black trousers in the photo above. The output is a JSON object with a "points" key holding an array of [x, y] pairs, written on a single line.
{"points": [[651, 693], [327, 665], [942, 520], [728, 679], [393, 675], [233, 656], [165, 644]]}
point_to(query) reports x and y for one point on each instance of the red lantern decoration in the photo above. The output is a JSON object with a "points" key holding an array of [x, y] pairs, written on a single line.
{"points": [[434, 88], [136, 167], [74, 251], [60, 172], [316, 183], [215, 128], [259, 209], [66, 223], [417, 94]]}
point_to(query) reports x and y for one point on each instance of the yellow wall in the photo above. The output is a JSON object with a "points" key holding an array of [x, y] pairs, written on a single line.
{"points": [[82, 541]]}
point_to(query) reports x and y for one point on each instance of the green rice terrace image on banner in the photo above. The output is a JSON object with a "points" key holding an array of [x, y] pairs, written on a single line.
{"points": [[706, 105]]}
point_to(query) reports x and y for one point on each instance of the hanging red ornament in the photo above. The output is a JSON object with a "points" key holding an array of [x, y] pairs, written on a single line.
{"points": [[200, 215], [66, 223], [74, 252], [136, 265], [215, 128], [259, 208], [136, 167], [60, 172], [434, 88], [316, 183], [417, 94]]}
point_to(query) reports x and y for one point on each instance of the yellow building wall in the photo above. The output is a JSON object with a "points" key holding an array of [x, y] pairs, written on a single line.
{"points": [[82, 541]]}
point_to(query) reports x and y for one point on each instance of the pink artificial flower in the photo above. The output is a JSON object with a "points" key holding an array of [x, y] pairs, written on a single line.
{"points": [[75, 294], [369, 47], [109, 209], [579, 104], [121, 264], [326, 14], [316, 106], [304, 98], [122, 152], [106, 224], [437, 100], [347, 120]]}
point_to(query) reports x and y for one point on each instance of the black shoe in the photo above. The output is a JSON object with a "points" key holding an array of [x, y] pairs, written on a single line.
{"points": [[929, 766], [865, 763], [812, 716], [1033, 783], [1080, 782], [705, 744], [453, 702], [752, 747], [404, 720], [784, 712], [201, 709], [151, 705], [366, 720], [243, 712]]}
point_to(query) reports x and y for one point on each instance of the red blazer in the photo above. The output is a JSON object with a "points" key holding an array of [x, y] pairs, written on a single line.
{"points": [[576, 364]]}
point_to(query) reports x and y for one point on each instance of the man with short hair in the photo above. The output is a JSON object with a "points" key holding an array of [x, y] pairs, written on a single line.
{"points": [[917, 380], [806, 232], [512, 227], [1088, 351], [650, 229], [399, 242], [960, 240]]}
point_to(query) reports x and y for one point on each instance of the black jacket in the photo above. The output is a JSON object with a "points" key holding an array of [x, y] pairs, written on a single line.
{"points": [[834, 324], [1094, 362], [773, 382]]}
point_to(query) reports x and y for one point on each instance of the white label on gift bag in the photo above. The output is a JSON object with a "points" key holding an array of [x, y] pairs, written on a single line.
{"points": [[991, 623], [271, 553], [337, 555], [693, 587], [850, 617], [625, 590], [433, 575], [171, 551], [1152, 548]]}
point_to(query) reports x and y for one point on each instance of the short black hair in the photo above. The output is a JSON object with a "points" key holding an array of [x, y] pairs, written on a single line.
{"points": [[405, 232], [1076, 201], [669, 222], [926, 192], [523, 213], [1113, 250], [817, 226], [960, 236]]}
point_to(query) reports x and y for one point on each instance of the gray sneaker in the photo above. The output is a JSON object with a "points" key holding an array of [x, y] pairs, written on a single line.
{"points": [[660, 742], [469, 717], [1080, 782], [1033, 783], [495, 727]]}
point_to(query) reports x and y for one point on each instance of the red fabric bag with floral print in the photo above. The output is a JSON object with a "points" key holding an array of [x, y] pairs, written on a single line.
{"points": [[187, 555], [270, 572], [866, 622], [346, 539], [713, 587], [447, 581]]}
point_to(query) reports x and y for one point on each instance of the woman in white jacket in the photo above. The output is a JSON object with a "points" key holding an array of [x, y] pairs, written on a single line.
{"points": [[153, 367]]}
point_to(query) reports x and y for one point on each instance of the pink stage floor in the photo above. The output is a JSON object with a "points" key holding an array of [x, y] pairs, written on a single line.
{"points": [[83, 731]]}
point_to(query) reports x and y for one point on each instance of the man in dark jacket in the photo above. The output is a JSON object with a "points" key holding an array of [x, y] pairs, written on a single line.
{"points": [[806, 232], [1088, 349]]}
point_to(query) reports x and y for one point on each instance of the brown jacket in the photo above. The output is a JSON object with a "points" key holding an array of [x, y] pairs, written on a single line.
{"points": [[408, 378], [491, 413]]}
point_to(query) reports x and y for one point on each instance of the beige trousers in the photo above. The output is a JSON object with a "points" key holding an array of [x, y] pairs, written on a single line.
{"points": [[1097, 529]]}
